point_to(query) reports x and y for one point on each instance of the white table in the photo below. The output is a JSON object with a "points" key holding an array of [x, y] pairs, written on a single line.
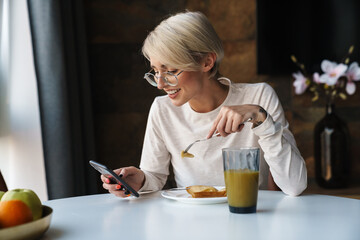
{"points": [[151, 216]]}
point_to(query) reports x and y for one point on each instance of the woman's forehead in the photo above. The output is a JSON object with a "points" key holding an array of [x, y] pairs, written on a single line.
{"points": [[158, 66], [154, 63]]}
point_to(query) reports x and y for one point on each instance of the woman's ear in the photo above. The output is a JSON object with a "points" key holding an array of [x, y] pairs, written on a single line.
{"points": [[209, 62]]}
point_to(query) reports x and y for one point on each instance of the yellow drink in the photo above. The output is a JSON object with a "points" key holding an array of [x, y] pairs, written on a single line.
{"points": [[242, 187]]}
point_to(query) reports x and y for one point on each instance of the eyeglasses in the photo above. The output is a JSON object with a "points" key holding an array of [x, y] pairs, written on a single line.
{"points": [[168, 77]]}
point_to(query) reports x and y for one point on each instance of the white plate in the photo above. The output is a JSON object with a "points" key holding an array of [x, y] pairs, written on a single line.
{"points": [[182, 195], [146, 192]]}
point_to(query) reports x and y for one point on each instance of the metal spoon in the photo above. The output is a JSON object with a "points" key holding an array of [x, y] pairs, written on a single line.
{"points": [[200, 140]]}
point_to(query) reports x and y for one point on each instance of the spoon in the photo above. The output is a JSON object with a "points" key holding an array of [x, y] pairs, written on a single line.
{"points": [[189, 155], [185, 153]]}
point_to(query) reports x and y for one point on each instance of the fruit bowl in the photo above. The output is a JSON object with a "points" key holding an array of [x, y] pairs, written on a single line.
{"points": [[30, 230]]}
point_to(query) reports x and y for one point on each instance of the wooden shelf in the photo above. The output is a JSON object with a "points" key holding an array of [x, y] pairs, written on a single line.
{"points": [[353, 191]]}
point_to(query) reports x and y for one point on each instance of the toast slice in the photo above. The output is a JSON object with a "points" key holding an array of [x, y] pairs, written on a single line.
{"points": [[203, 191]]}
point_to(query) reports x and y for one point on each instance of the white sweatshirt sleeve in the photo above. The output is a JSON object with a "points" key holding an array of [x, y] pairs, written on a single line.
{"points": [[280, 151], [155, 158]]}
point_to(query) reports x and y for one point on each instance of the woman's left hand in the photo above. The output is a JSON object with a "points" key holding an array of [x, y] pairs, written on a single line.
{"points": [[231, 119]]}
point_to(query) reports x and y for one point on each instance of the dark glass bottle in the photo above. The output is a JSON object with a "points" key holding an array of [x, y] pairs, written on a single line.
{"points": [[332, 156]]}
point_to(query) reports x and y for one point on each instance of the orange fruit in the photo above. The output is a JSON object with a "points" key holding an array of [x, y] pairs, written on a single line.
{"points": [[14, 212]]}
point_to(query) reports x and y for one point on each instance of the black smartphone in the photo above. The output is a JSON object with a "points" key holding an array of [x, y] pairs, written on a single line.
{"points": [[113, 177]]}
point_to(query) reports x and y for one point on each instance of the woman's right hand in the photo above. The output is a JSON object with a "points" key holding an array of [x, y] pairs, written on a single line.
{"points": [[131, 175]]}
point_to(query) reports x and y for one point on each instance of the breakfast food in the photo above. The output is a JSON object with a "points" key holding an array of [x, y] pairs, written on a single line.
{"points": [[203, 191], [186, 155], [29, 197], [13, 213], [19, 206]]}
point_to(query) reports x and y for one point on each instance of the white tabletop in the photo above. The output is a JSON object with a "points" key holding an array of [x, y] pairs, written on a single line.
{"points": [[151, 216]]}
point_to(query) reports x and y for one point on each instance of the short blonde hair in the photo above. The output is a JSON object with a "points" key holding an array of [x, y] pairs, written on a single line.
{"points": [[183, 40]]}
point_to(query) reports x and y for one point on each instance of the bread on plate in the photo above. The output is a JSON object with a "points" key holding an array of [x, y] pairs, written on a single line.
{"points": [[203, 191]]}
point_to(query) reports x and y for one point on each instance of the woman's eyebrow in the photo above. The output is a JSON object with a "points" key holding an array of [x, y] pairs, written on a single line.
{"points": [[162, 67]]}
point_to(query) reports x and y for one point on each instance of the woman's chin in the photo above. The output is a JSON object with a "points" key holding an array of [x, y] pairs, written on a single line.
{"points": [[176, 102]]}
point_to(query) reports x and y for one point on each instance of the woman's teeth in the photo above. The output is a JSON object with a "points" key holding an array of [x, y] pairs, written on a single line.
{"points": [[173, 91]]}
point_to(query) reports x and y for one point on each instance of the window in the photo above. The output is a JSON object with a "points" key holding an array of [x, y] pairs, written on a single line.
{"points": [[21, 154]]}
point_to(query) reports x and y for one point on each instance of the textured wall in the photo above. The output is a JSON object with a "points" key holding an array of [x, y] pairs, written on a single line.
{"points": [[116, 30]]}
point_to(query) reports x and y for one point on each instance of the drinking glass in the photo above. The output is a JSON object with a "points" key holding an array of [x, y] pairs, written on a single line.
{"points": [[241, 172]]}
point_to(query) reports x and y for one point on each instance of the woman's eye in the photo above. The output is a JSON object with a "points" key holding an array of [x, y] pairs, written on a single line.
{"points": [[173, 71]]}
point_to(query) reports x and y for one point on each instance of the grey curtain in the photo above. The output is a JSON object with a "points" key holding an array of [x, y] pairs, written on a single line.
{"points": [[60, 56]]}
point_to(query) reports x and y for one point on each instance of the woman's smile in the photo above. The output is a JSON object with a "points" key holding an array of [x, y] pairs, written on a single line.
{"points": [[172, 93]]}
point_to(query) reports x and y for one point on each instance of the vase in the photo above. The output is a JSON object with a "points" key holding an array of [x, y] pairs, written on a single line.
{"points": [[332, 150]]}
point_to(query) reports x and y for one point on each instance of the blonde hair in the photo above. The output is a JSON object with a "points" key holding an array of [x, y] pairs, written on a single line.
{"points": [[183, 40]]}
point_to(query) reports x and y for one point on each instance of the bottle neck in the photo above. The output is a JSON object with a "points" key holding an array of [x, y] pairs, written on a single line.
{"points": [[330, 107]]}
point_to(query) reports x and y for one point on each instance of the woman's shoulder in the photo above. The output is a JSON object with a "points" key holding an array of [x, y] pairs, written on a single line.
{"points": [[256, 88], [162, 104], [161, 99]]}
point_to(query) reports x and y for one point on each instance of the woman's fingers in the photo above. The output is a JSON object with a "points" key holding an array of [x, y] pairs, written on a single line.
{"points": [[133, 176], [214, 126], [229, 126], [119, 193], [237, 125], [221, 127], [231, 119], [115, 189], [107, 180], [118, 171], [128, 171]]}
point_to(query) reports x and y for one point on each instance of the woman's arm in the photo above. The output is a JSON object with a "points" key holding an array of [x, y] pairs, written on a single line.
{"points": [[287, 167], [286, 164], [155, 157]]}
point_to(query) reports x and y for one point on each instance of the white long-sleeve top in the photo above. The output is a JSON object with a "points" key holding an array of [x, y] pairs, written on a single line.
{"points": [[170, 129]]}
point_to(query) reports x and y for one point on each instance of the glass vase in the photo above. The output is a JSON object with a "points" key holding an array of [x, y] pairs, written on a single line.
{"points": [[332, 150]]}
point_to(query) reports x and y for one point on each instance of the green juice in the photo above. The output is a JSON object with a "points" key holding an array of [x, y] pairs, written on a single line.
{"points": [[242, 189]]}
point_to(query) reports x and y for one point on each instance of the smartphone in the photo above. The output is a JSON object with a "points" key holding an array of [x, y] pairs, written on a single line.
{"points": [[113, 177]]}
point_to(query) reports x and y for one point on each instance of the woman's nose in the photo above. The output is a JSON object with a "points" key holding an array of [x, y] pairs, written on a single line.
{"points": [[161, 82]]}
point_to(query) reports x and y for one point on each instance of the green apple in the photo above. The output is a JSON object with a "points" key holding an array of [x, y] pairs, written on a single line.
{"points": [[29, 197], [1, 194]]}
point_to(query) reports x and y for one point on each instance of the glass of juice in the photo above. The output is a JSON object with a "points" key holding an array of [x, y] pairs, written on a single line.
{"points": [[241, 172]]}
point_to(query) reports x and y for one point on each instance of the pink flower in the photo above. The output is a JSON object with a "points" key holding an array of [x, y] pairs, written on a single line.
{"points": [[352, 74], [316, 77], [332, 72], [299, 83]]}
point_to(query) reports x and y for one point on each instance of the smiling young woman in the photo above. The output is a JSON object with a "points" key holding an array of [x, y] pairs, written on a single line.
{"points": [[185, 52]]}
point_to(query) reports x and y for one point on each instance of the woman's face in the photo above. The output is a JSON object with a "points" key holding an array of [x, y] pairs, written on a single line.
{"points": [[189, 83]]}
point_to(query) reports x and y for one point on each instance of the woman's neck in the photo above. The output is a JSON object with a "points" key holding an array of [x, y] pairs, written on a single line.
{"points": [[213, 95]]}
